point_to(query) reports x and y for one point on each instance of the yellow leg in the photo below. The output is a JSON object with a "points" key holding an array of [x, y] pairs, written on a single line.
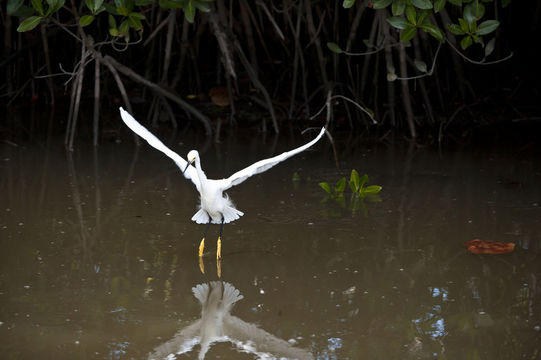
{"points": [[201, 247], [219, 248], [219, 267], [201, 265]]}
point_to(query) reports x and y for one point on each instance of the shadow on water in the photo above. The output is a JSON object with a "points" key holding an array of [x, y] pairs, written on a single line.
{"points": [[99, 256]]}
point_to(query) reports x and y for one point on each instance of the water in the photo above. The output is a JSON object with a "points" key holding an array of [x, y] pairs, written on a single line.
{"points": [[99, 257]]}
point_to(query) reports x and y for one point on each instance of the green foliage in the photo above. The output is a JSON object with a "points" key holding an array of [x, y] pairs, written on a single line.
{"points": [[334, 48], [348, 3], [409, 16], [357, 185], [29, 23], [130, 11], [86, 20]]}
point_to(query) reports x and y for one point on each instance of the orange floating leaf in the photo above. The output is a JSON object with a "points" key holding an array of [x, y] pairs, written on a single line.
{"points": [[478, 246]]}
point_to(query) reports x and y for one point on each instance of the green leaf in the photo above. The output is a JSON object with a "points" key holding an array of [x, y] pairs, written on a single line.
{"points": [[189, 11], [468, 15], [490, 47], [113, 32], [54, 5], [505, 3], [354, 181], [97, 4], [439, 5], [24, 12], [398, 7], [478, 9], [363, 180], [38, 6], [422, 4], [135, 22], [381, 4], [348, 3], [486, 27], [372, 189], [137, 15], [464, 26], [466, 42], [143, 2], [112, 22], [86, 20], [340, 185], [433, 30], [422, 19], [29, 23], [124, 28], [325, 186], [420, 65], [456, 2], [90, 5], [411, 15], [455, 29], [408, 34], [398, 22], [334, 47], [123, 10], [13, 6], [110, 9], [201, 6]]}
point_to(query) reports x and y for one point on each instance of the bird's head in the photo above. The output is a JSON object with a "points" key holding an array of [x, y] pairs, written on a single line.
{"points": [[192, 155]]}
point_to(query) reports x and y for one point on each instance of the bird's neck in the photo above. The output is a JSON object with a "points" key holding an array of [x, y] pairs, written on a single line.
{"points": [[200, 174]]}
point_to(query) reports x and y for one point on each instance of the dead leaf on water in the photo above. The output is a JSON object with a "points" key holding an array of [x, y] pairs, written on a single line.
{"points": [[479, 246]]}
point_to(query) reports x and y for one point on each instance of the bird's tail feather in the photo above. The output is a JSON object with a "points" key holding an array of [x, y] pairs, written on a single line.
{"points": [[201, 217], [231, 214]]}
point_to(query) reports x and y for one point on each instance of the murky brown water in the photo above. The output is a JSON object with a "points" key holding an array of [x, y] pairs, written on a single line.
{"points": [[99, 256]]}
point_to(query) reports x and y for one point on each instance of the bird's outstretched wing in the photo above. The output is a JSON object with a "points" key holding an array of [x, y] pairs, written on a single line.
{"points": [[190, 173], [264, 165]]}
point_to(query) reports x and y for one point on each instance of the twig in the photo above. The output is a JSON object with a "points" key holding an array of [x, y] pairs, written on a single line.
{"points": [[155, 32], [351, 101], [480, 62], [271, 19], [96, 100], [155, 87], [430, 72]]}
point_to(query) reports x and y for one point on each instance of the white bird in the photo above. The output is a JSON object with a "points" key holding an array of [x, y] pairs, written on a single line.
{"points": [[215, 206]]}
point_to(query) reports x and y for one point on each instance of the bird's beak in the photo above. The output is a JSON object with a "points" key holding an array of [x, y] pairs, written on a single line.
{"points": [[190, 162]]}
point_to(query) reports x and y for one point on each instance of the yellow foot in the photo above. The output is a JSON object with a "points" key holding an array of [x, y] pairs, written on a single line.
{"points": [[219, 267], [219, 249], [201, 247]]}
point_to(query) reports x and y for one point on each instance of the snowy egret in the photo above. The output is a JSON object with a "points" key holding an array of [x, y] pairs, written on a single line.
{"points": [[215, 206]]}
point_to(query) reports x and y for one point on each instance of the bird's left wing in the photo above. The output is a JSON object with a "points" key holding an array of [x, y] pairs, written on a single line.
{"points": [[190, 173], [264, 165]]}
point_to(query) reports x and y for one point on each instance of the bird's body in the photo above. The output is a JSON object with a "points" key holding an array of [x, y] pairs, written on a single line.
{"points": [[215, 206]]}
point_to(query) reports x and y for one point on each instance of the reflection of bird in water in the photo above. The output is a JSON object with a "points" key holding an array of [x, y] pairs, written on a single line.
{"points": [[218, 325], [215, 207]]}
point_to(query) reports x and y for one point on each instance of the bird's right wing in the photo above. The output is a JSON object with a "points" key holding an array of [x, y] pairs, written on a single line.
{"points": [[264, 165], [190, 173], [251, 339]]}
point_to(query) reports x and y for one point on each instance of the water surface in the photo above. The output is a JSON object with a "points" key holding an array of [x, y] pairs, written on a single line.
{"points": [[99, 256]]}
